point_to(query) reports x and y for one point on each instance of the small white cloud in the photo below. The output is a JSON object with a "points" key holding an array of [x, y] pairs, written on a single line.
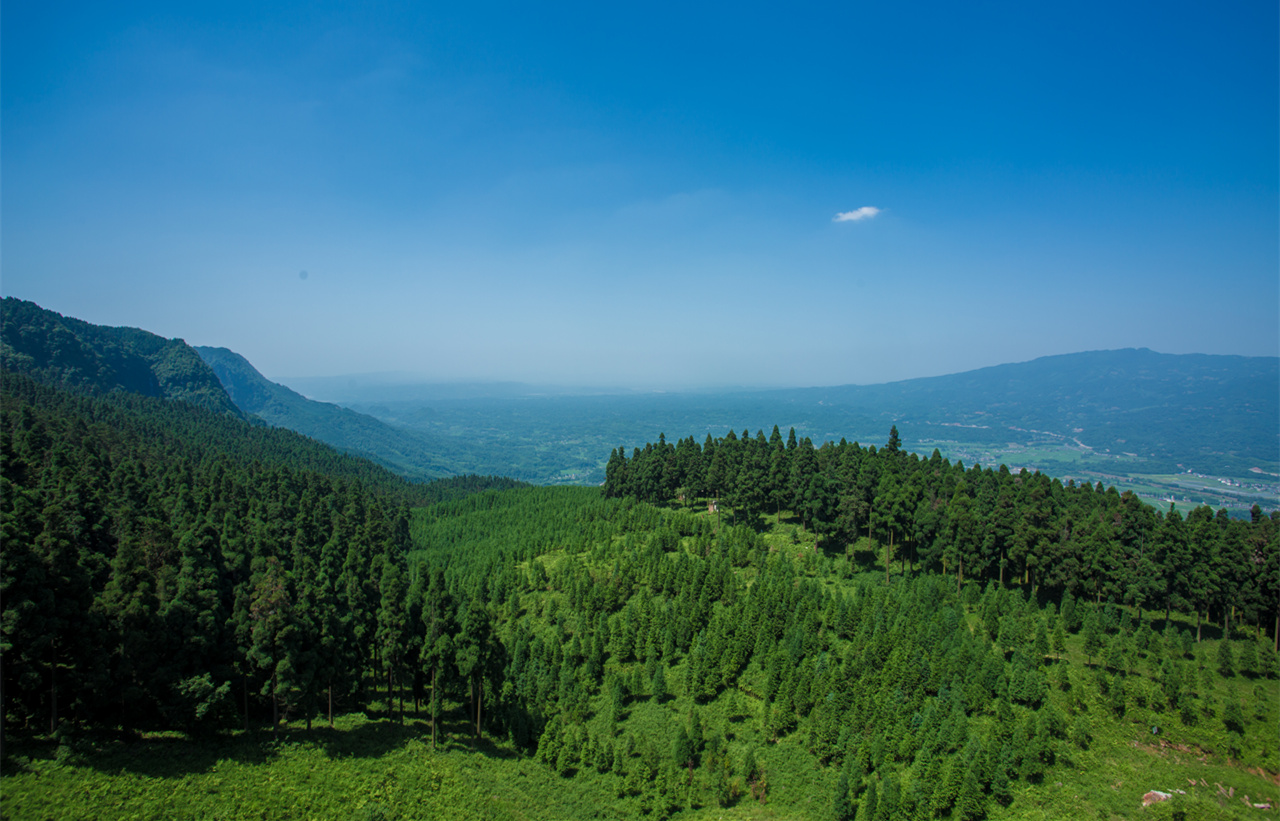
{"points": [[866, 212]]}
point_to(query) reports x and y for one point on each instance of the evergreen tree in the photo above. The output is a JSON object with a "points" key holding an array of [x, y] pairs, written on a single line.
{"points": [[867, 804], [272, 617], [1226, 659], [659, 685], [1092, 634], [842, 802]]}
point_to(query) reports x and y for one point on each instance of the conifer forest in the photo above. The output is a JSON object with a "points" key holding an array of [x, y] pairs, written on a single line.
{"points": [[207, 618]]}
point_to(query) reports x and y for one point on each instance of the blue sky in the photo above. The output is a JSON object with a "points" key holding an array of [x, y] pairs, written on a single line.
{"points": [[647, 196]]}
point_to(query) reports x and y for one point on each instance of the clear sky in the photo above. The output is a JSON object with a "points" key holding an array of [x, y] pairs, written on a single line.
{"points": [[653, 195]]}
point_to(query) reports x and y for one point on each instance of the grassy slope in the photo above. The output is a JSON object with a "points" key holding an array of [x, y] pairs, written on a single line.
{"points": [[372, 768]]}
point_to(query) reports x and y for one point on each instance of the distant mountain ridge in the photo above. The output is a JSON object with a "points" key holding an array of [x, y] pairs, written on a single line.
{"points": [[1070, 414], [1169, 407], [1092, 415], [402, 451], [74, 354]]}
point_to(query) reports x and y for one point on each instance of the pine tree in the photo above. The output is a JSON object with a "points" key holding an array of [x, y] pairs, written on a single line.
{"points": [[1248, 661], [1092, 634], [472, 654], [1226, 659], [970, 802], [272, 622], [842, 801], [867, 804], [659, 685], [889, 802], [393, 626], [1069, 612]]}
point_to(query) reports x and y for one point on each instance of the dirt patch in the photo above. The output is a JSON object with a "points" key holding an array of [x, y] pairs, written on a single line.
{"points": [[1162, 748], [1274, 778]]}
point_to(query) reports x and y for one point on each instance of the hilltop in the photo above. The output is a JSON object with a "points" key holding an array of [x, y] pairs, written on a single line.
{"points": [[73, 354]]}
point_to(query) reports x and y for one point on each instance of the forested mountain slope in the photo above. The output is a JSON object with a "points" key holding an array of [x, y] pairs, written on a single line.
{"points": [[137, 534], [73, 354], [166, 568], [406, 452]]}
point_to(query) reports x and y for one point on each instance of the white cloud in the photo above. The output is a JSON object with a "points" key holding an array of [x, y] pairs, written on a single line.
{"points": [[866, 212]]}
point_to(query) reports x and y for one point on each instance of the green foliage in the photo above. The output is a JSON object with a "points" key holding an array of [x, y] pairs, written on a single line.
{"points": [[1226, 659], [167, 570], [76, 355]]}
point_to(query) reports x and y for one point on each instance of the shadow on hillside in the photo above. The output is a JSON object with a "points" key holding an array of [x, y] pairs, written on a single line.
{"points": [[372, 739], [175, 755], [377, 738]]}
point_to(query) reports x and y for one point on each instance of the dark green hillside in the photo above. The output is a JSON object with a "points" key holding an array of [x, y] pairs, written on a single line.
{"points": [[156, 553], [408, 453], [553, 653], [73, 354], [126, 423]]}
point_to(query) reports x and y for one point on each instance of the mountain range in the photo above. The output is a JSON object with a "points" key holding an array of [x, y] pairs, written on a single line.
{"points": [[1153, 412]]}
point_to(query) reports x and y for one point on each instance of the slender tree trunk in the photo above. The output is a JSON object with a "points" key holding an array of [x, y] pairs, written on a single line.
{"points": [[53, 686], [887, 548], [275, 706], [1276, 635], [245, 681], [391, 704], [331, 703], [479, 706], [1197, 625], [434, 674]]}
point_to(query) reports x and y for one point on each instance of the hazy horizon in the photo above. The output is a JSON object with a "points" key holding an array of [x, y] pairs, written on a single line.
{"points": [[723, 196], [373, 381]]}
